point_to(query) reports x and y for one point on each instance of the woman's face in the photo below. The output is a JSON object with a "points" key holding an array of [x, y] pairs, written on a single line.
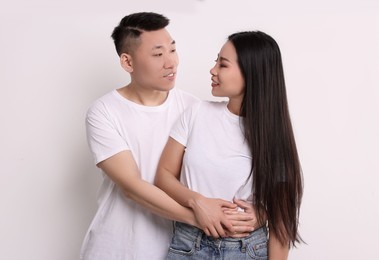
{"points": [[227, 79]]}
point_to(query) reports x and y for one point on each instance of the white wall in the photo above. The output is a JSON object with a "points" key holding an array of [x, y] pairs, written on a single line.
{"points": [[57, 57]]}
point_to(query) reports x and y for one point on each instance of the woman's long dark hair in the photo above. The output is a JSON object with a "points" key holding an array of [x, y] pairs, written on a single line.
{"points": [[277, 177]]}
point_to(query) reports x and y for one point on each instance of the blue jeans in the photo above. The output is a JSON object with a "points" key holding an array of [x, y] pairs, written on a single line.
{"points": [[190, 242]]}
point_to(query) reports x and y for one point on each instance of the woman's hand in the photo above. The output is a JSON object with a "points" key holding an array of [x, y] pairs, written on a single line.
{"points": [[243, 219], [211, 217]]}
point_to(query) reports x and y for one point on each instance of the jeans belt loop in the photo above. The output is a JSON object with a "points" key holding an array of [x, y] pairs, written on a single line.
{"points": [[243, 245], [198, 240]]}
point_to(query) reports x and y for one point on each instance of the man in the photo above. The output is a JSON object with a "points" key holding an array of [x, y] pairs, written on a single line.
{"points": [[127, 130]]}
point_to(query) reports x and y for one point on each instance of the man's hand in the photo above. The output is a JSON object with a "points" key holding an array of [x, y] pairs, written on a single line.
{"points": [[210, 215]]}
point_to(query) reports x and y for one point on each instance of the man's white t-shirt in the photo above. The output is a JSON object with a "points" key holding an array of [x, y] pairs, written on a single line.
{"points": [[121, 229], [217, 159]]}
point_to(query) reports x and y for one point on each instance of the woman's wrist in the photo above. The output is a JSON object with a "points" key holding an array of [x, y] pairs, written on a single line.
{"points": [[193, 202]]}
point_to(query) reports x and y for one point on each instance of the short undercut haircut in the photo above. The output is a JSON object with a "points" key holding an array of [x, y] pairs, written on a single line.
{"points": [[127, 34]]}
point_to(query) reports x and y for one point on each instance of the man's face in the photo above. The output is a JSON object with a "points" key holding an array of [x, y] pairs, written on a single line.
{"points": [[155, 61]]}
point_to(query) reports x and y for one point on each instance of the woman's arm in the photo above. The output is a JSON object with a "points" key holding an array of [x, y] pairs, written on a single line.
{"points": [[208, 212], [277, 250]]}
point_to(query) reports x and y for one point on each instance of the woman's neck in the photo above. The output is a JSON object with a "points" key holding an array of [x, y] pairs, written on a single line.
{"points": [[234, 106]]}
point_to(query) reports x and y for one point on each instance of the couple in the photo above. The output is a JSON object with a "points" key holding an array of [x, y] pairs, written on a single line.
{"points": [[222, 168]]}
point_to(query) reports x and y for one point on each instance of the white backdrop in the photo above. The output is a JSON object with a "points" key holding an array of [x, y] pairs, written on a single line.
{"points": [[56, 57]]}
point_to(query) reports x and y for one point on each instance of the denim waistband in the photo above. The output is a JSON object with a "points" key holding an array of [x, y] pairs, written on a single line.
{"points": [[197, 235]]}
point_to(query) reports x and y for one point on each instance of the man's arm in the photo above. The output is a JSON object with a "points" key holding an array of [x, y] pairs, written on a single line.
{"points": [[123, 170]]}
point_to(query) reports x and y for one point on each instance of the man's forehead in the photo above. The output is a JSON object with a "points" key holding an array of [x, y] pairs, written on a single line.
{"points": [[157, 39]]}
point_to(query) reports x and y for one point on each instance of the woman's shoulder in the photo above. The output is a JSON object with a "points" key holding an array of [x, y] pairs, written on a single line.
{"points": [[212, 104]]}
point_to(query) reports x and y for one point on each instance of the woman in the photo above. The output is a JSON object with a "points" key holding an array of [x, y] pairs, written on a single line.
{"points": [[243, 148]]}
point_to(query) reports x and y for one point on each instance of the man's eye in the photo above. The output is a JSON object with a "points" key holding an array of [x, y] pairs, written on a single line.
{"points": [[157, 54], [173, 50]]}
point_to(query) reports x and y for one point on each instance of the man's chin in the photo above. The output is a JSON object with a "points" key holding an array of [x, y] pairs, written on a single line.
{"points": [[166, 88]]}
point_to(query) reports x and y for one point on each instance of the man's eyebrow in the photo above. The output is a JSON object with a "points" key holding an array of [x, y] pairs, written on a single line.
{"points": [[161, 46]]}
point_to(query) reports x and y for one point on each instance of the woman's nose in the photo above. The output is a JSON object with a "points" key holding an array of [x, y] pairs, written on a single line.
{"points": [[213, 70]]}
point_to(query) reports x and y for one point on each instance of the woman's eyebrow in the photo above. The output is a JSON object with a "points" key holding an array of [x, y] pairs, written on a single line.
{"points": [[223, 59]]}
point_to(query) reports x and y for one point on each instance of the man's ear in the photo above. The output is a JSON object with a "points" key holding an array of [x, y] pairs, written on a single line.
{"points": [[126, 62]]}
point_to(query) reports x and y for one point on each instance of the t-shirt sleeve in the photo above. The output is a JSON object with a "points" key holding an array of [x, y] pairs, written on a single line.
{"points": [[103, 137], [182, 128]]}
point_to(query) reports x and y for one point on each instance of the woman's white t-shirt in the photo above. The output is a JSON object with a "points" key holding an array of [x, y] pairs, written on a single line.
{"points": [[217, 159]]}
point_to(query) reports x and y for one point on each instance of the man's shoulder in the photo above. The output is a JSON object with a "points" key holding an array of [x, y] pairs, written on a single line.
{"points": [[107, 97], [102, 102]]}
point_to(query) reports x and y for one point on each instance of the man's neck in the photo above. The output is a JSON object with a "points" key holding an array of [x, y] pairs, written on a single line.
{"points": [[143, 96]]}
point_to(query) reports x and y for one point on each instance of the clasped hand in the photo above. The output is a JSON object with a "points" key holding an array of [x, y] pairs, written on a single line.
{"points": [[221, 218]]}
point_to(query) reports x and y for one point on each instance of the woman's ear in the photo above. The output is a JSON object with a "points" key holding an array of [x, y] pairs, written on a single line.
{"points": [[126, 62]]}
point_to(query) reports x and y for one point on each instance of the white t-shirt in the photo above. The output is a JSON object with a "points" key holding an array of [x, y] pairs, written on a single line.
{"points": [[121, 229], [217, 159]]}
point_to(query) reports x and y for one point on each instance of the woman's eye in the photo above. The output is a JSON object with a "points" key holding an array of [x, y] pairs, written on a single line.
{"points": [[157, 54], [174, 50]]}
